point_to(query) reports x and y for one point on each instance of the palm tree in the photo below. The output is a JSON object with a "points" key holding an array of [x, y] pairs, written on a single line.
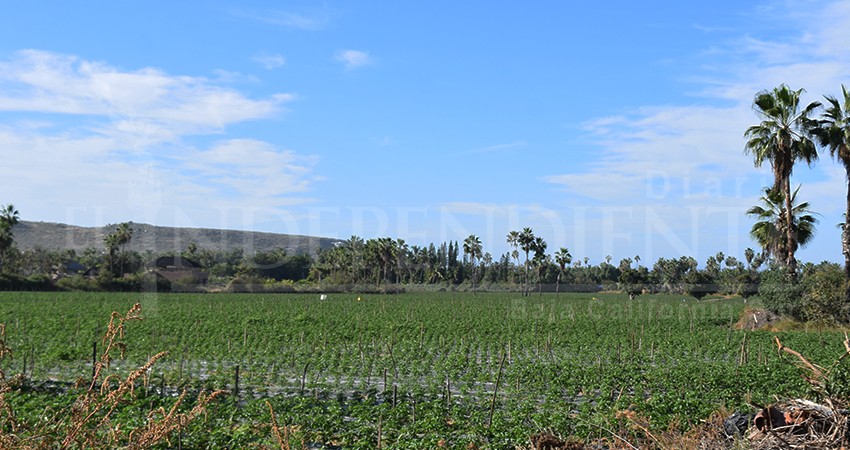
{"points": [[111, 242], [123, 234], [9, 217], [472, 247], [834, 133], [354, 248], [526, 243], [402, 259], [541, 260], [769, 231], [562, 259], [513, 241], [782, 138]]}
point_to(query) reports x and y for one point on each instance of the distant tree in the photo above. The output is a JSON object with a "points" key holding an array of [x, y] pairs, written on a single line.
{"points": [[526, 244], [110, 241], [541, 261], [632, 282], [125, 234], [782, 138], [670, 273], [115, 241], [472, 248], [9, 217], [833, 132], [749, 255], [699, 283], [191, 250], [562, 258], [769, 230]]}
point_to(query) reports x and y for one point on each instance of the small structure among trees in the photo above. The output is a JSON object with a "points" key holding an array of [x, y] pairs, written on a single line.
{"points": [[177, 269]]}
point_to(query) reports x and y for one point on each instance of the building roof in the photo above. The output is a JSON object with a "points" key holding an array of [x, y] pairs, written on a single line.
{"points": [[175, 262]]}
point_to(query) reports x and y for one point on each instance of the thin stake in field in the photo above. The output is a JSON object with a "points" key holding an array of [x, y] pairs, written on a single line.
{"points": [[496, 390]]}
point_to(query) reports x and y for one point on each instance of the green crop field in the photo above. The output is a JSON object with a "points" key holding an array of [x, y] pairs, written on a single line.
{"points": [[415, 368]]}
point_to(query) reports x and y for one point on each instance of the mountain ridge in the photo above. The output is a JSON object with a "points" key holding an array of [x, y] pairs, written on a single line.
{"points": [[160, 239]]}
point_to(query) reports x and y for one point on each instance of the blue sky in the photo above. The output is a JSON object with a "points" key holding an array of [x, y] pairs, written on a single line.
{"points": [[610, 128]]}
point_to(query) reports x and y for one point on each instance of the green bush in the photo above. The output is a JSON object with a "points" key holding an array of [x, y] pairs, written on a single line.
{"points": [[13, 282], [780, 294], [78, 283], [823, 299], [747, 284]]}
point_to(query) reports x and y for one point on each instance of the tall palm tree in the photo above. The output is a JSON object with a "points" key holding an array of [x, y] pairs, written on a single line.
{"points": [[834, 133], [354, 248], [513, 241], [541, 260], [123, 234], [111, 242], [526, 243], [769, 231], [9, 217], [783, 137], [562, 258], [472, 247]]}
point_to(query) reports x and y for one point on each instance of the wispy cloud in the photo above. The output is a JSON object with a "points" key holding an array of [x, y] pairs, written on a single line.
{"points": [[286, 19], [269, 60], [678, 172], [698, 142], [353, 59], [499, 147], [251, 168]]}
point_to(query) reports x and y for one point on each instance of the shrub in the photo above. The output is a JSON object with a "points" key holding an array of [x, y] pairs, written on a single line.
{"points": [[77, 283], [823, 298], [747, 284], [13, 282], [780, 294]]}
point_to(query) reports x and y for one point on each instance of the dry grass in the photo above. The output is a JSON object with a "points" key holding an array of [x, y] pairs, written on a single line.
{"points": [[90, 421]]}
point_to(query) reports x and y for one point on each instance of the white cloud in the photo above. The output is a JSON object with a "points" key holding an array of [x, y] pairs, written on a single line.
{"points": [[270, 61], [251, 168], [45, 82], [131, 145], [353, 59]]}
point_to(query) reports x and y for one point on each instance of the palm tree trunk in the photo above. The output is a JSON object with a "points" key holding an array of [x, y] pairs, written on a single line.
{"points": [[558, 282], [845, 239], [525, 282], [789, 225]]}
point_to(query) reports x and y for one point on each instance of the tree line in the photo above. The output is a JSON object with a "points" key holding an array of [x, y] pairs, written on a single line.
{"points": [[379, 263]]}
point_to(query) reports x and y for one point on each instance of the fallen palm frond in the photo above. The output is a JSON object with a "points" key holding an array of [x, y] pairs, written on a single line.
{"points": [[801, 423]]}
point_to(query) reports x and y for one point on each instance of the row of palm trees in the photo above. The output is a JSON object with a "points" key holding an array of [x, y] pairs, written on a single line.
{"points": [[787, 134]]}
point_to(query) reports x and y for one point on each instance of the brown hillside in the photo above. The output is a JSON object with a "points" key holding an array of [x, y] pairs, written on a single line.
{"points": [[56, 236]]}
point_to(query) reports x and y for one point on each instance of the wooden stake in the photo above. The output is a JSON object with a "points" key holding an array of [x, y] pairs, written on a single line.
{"points": [[496, 390]]}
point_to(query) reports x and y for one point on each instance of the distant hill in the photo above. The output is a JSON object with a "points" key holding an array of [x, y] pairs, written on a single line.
{"points": [[57, 236]]}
